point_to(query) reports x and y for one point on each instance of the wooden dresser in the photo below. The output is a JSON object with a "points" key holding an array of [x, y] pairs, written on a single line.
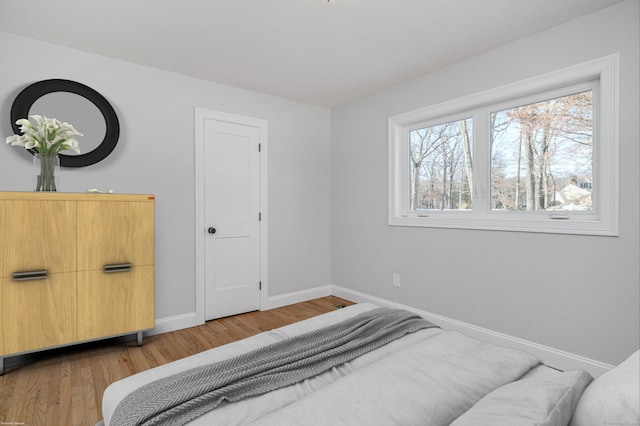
{"points": [[74, 268]]}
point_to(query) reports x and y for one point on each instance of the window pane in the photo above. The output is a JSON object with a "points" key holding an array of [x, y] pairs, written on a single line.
{"points": [[542, 155], [440, 166]]}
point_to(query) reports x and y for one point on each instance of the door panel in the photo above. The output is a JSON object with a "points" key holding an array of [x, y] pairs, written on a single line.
{"points": [[232, 180], [233, 262]]}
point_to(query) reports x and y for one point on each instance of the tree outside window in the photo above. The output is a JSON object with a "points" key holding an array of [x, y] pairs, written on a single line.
{"points": [[441, 166], [542, 155]]}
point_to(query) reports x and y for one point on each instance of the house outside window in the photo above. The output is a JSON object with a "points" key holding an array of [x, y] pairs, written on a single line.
{"points": [[535, 156]]}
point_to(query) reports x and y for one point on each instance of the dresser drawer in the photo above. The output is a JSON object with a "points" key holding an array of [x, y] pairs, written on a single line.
{"points": [[115, 232], [37, 235], [37, 313], [115, 303]]}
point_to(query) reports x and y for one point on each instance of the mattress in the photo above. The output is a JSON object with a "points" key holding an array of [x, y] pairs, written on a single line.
{"points": [[431, 377]]}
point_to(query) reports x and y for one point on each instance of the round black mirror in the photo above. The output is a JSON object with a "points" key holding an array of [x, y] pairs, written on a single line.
{"points": [[110, 131]]}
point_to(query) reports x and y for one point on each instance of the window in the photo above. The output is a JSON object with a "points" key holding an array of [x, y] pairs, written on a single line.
{"points": [[440, 164], [538, 156], [542, 155]]}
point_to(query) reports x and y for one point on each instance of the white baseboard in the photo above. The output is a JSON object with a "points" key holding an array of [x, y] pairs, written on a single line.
{"points": [[552, 357], [177, 322], [297, 297]]}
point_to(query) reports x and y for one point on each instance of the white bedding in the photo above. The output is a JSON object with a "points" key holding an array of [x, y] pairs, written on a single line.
{"points": [[428, 377]]}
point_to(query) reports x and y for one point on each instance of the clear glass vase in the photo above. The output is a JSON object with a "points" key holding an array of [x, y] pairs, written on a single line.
{"points": [[47, 169]]}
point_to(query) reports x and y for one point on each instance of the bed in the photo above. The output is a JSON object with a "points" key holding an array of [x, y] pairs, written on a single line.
{"points": [[420, 375]]}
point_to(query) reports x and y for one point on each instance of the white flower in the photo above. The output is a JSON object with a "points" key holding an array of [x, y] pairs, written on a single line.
{"points": [[15, 140], [48, 136]]}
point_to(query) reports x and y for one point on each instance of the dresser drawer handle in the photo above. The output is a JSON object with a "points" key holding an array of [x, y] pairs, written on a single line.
{"points": [[117, 267], [29, 275]]}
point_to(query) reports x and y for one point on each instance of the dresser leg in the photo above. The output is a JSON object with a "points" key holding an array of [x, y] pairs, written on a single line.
{"points": [[1, 366], [139, 338]]}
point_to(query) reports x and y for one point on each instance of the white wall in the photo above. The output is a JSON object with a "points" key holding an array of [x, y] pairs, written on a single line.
{"points": [[580, 295], [155, 154]]}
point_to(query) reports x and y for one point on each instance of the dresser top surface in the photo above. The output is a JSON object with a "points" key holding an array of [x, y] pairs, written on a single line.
{"points": [[73, 196]]}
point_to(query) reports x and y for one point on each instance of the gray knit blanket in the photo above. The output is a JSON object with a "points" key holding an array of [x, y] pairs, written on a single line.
{"points": [[185, 396]]}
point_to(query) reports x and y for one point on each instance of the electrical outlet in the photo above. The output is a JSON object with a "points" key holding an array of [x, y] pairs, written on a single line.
{"points": [[396, 280]]}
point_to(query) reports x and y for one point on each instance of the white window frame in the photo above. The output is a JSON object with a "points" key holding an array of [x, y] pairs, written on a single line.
{"points": [[600, 75]]}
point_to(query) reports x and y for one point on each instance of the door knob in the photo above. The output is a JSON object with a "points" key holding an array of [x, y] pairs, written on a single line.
{"points": [[211, 230]]}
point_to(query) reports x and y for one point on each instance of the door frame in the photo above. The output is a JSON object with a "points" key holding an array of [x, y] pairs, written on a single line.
{"points": [[202, 114]]}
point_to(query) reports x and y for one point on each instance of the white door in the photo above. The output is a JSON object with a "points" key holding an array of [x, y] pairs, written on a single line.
{"points": [[232, 218]]}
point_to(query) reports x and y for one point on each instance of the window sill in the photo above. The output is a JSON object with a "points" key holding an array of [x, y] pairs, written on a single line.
{"points": [[538, 223]]}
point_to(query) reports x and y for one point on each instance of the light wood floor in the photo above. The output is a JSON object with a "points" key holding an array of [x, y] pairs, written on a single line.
{"points": [[65, 386]]}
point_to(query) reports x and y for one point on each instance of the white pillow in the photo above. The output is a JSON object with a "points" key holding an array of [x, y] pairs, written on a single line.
{"points": [[612, 398], [547, 400]]}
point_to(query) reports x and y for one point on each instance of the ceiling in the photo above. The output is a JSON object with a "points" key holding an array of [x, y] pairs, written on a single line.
{"points": [[318, 52]]}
